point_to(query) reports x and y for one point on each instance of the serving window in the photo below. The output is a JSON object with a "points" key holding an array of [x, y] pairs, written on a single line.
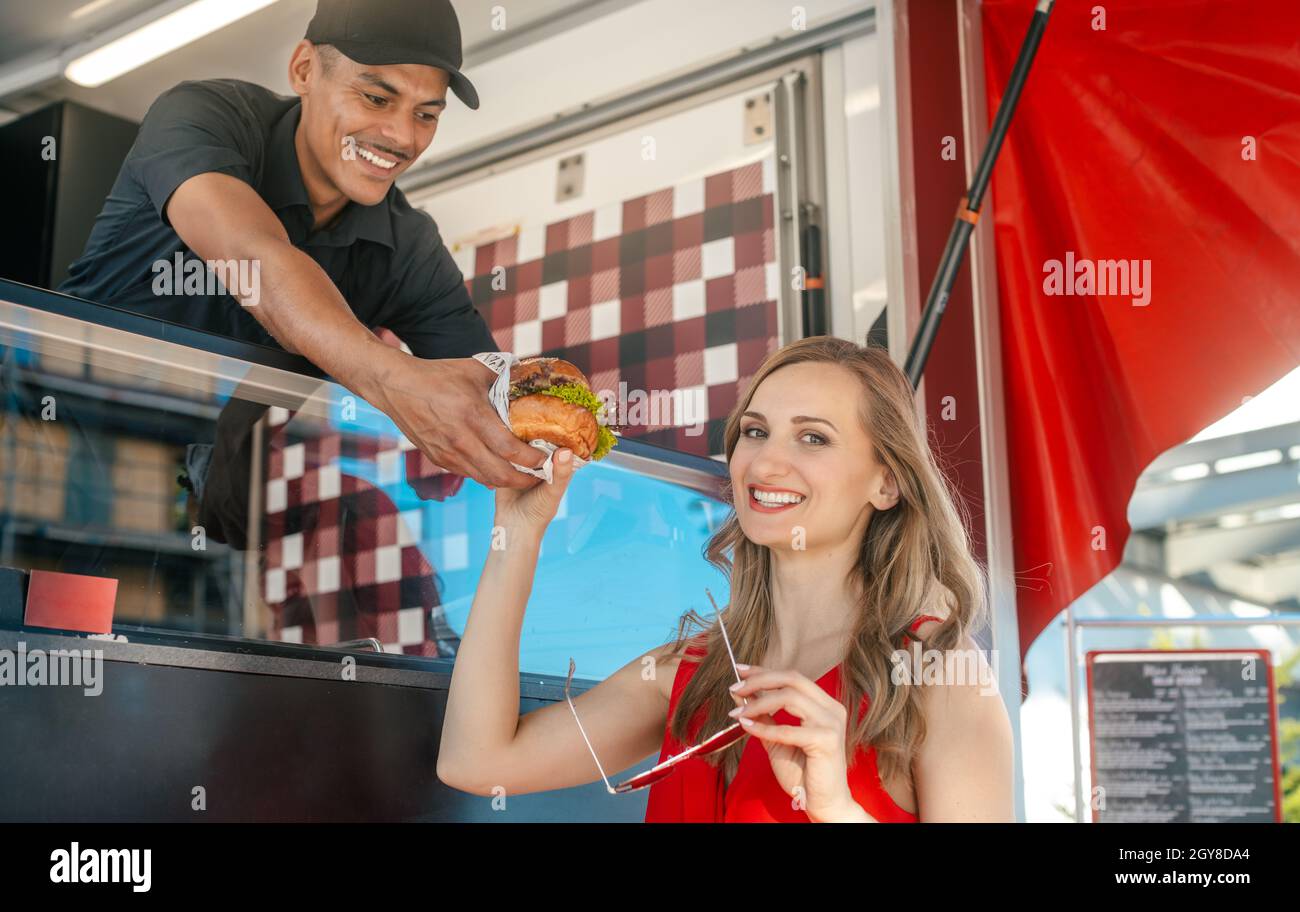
{"points": [[320, 525]]}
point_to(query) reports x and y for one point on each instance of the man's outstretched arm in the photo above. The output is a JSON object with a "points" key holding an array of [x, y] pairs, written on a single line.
{"points": [[441, 406]]}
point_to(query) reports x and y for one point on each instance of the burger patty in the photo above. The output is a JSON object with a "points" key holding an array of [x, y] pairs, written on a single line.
{"points": [[538, 381], [535, 385]]}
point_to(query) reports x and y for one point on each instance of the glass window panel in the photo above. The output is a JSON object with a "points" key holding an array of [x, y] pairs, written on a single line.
{"points": [[319, 524]]}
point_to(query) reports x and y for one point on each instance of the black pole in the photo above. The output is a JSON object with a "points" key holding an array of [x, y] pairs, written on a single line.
{"points": [[814, 290], [968, 212]]}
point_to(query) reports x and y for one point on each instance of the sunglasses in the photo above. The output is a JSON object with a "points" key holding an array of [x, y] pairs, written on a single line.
{"points": [[729, 735]]}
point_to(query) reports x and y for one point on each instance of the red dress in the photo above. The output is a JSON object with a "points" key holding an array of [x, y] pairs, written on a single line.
{"points": [[695, 792]]}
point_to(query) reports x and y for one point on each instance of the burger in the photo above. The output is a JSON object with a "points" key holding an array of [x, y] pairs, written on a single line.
{"points": [[551, 400]]}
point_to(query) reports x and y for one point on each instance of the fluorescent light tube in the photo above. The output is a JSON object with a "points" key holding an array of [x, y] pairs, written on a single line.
{"points": [[159, 37]]}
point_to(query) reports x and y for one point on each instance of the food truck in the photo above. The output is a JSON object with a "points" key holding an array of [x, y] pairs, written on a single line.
{"points": [[663, 193]]}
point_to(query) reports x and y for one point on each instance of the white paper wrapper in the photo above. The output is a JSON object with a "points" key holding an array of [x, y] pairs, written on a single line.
{"points": [[499, 395]]}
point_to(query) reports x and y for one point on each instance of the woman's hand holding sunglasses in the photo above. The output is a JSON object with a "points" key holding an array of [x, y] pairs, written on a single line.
{"points": [[809, 759]]}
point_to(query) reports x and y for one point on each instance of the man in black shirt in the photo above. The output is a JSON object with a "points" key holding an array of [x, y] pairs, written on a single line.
{"points": [[298, 195]]}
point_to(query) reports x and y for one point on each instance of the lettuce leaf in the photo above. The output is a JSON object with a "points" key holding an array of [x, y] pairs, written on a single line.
{"points": [[605, 441]]}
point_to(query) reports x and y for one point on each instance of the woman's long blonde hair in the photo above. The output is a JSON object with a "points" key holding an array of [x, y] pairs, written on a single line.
{"points": [[914, 558]]}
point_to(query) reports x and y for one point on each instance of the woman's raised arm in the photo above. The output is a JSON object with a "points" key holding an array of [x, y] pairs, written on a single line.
{"points": [[486, 745]]}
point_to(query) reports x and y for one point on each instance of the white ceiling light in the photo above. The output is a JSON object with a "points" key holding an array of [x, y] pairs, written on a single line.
{"points": [[93, 6], [156, 38], [1190, 472], [1247, 461]]}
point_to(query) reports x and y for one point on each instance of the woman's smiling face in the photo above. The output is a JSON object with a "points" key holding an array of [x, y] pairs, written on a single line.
{"points": [[803, 470]]}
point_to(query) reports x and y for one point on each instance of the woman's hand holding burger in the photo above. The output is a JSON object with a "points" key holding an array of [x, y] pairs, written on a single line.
{"points": [[530, 512]]}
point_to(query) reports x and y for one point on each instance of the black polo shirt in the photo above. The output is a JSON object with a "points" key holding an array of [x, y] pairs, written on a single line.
{"points": [[387, 260]]}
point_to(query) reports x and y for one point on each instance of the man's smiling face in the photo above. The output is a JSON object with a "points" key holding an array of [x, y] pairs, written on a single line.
{"points": [[364, 124]]}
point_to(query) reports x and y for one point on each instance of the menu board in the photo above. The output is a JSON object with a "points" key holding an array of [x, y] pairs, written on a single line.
{"points": [[1187, 736]]}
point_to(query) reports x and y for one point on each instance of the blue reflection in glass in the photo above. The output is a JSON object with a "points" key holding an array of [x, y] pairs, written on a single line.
{"points": [[620, 563]]}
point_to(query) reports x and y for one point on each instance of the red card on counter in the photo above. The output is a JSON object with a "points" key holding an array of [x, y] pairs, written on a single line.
{"points": [[70, 601]]}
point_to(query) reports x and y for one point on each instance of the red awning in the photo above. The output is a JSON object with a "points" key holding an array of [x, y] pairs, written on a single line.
{"points": [[1170, 141]]}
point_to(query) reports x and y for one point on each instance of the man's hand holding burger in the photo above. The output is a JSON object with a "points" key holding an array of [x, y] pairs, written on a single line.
{"points": [[442, 407]]}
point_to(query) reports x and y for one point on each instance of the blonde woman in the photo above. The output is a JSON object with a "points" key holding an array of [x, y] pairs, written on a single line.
{"points": [[843, 541]]}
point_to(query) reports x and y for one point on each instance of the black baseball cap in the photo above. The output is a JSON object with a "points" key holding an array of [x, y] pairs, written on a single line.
{"points": [[381, 32]]}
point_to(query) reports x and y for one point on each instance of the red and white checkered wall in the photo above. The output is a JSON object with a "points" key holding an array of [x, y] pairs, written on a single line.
{"points": [[674, 290]]}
